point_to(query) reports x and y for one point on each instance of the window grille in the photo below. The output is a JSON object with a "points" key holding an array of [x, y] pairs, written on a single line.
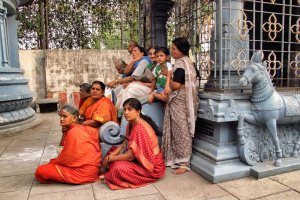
{"points": [[225, 34]]}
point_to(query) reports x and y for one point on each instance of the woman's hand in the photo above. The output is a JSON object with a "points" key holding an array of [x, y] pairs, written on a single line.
{"points": [[151, 98], [106, 161], [167, 89], [164, 70], [111, 84]]}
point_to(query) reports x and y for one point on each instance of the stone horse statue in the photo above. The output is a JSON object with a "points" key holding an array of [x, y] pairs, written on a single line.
{"points": [[268, 107]]}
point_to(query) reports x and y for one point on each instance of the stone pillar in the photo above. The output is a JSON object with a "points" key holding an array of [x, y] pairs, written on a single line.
{"points": [[160, 12], [231, 44], [15, 96], [3, 37], [215, 146]]}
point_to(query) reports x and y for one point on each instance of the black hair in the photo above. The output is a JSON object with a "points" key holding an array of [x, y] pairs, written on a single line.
{"points": [[86, 87], [153, 47], [102, 85], [142, 49], [182, 45], [136, 104], [70, 109], [164, 50]]}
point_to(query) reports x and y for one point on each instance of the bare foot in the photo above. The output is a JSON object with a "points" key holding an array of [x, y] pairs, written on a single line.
{"points": [[101, 177], [180, 171]]}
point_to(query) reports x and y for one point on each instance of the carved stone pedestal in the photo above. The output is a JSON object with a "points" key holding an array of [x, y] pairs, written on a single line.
{"points": [[218, 154], [215, 148]]}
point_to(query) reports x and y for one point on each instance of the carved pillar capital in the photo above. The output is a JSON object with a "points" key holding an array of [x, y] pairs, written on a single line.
{"points": [[3, 10]]}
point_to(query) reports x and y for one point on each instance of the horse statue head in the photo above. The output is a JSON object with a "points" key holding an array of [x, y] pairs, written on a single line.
{"points": [[256, 71]]}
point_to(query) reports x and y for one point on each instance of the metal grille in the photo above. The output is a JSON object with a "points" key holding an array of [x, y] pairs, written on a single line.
{"points": [[225, 34], [146, 19]]}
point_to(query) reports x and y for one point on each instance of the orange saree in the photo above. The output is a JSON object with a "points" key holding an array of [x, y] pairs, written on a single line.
{"points": [[85, 105], [79, 160], [103, 110], [148, 165]]}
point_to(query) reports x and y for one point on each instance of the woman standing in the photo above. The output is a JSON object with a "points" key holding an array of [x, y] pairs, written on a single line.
{"points": [[181, 110], [80, 158], [138, 161]]}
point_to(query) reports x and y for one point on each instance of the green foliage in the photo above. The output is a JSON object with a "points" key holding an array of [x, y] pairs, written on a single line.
{"points": [[79, 24]]}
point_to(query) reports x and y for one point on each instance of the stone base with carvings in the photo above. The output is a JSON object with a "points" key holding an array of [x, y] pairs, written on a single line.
{"points": [[215, 150], [16, 116], [217, 154], [259, 146], [18, 127]]}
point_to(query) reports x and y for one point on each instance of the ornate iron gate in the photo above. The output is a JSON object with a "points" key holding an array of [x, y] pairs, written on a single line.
{"points": [[224, 35]]}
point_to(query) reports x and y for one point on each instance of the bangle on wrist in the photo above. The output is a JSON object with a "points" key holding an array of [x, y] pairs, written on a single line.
{"points": [[108, 159], [116, 81]]}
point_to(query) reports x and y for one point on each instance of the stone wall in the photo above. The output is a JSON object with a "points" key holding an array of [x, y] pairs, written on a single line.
{"points": [[58, 73]]}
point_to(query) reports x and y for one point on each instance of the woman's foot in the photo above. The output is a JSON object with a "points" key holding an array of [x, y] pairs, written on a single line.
{"points": [[101, 177], [180, 171]]}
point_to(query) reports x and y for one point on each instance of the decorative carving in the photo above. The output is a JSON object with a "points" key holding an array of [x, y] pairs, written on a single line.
{"points": [[268, 108], [16, 116], [296, 30], [292, 105], [14, 105], [273, 64], [295, 65], [231, 113], [259, 146], [205, 65], [242, 25], [272, 27], [240, 62]]}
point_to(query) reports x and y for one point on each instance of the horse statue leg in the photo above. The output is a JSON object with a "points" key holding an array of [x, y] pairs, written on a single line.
{"points": [[272, 126], [240, 129], [297, 144], [244, 117], [246, 144]]}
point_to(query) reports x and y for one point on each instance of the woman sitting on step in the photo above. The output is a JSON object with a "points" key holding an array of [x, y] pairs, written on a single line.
{"points": [[139, 84], [139, 160], [80, 158], [98, 110]]}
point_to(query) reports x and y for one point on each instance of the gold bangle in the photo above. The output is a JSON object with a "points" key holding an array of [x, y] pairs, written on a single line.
{"points": [[116, 80], [107, 159]]}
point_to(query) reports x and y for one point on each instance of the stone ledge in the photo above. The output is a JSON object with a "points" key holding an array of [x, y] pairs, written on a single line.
{"points": [[46, 101], [266, 169]]}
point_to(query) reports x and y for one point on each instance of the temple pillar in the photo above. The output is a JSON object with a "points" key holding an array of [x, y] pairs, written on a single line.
{"points": [[161, 10], [154, 16], [215, 147], [15, 96]]}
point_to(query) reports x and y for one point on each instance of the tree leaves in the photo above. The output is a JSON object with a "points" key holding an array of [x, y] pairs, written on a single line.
{"points": [[77, 24]]}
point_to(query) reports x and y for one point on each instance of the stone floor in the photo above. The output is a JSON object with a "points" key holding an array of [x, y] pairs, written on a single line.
{"points": [[22, 153]]}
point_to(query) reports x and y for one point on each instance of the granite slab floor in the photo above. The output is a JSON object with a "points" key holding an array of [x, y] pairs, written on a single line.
{"points": [[22, 153]]}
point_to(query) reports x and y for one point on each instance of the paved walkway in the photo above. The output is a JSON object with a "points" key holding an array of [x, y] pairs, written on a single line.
{"points": [[21, 154]]}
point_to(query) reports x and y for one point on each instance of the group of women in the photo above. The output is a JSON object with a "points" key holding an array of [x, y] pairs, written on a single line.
{"points": [[139, 160]]}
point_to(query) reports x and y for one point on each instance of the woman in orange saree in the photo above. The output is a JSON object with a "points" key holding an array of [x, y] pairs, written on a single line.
{"points": [[84, 93], [100, 109], [80, 158], [138, 161]]}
